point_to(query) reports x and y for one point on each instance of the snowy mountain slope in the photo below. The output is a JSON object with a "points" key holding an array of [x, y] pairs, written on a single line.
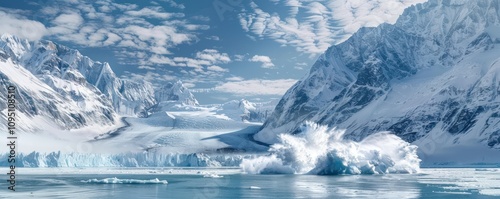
{"points": [[55, 107], [70, 91], [244, 110], [44, 96], [435, 70], [176, 92], [57, 61], [192, 130]]}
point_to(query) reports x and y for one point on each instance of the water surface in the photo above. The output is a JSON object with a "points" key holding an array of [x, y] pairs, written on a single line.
{"points": [[430, 183]]}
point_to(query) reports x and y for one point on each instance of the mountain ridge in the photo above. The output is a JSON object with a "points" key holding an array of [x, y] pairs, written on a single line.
{"points": [[433, 71], [67, 89]]}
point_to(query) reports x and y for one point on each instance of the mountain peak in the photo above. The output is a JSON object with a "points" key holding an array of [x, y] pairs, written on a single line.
{"points": [[6, 36], [434, 70], [14, 46], [176, 92]]}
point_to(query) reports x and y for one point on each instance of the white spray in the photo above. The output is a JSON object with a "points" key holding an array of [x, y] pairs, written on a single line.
{"points": [[322, 151]]}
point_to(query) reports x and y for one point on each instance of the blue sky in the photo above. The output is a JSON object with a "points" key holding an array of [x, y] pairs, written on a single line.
{"points": [[221, 49]]}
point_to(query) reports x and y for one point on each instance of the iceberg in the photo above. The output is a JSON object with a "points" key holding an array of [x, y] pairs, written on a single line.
{"points": [[124, 181]]}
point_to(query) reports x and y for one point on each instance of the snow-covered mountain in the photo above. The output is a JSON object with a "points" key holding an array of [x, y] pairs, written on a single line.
{"points": [[50, 91], [60, 62], [434, 73], [58, 86], [244, 110], [176, 92]]}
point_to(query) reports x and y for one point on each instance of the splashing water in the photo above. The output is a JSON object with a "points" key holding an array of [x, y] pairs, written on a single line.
{"points": [[322, 151]]}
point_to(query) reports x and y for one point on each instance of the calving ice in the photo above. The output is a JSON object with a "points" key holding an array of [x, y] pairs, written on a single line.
{"points": [[322, 151]]}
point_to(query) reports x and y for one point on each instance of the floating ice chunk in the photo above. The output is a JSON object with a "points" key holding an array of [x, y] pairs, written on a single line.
{"points": [[124, 181], [212, 175], [490, 192], [484, 169]]}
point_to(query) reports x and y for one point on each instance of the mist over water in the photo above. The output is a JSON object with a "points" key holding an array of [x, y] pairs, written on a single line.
{"points": [[323, 151]]}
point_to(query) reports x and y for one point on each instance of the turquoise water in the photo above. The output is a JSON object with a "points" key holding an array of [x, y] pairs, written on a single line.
{"points": [[430, 183]]}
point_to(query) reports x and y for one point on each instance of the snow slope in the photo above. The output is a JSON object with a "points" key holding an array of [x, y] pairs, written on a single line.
{"points": [[60, 62], [44, 101], [431, 78], [195, 129], [244, 110]]}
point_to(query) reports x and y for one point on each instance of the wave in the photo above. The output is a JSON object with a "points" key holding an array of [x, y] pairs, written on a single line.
{"points": [[322, 151], [124, 181]]}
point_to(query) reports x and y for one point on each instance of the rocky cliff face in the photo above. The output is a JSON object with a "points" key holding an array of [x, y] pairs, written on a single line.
{"points": [[435, 70]]}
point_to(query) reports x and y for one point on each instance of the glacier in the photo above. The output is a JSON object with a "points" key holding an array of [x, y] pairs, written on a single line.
{"points": [[431, 78], [142, 159]]}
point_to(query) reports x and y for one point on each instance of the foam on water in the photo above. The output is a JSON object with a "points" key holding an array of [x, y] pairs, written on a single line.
{"points": [[124, 181], [323, 151]]}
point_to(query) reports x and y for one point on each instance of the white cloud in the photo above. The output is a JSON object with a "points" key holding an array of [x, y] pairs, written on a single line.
{"points": [[15, 24], [213, 55], [125, 6], [256, 87], [204, 62], [122, 26], [239, 57], [146, 67], [313, 26], [154, 12], [265, 60], [215, 38], [174, 4], [69, 20], [217, 69], [158, 38], [235, 78], [157, 59], [112, 38], [300, 66]]}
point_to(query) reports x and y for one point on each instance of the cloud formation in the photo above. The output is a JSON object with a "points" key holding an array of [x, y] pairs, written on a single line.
{"points": [[92, 25], [256, 87], [265, 60], [16, 24], [313, 26], [142, 34], [205, 58]]}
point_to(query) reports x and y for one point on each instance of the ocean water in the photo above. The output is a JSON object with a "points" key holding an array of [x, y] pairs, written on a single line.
{"points": [[231, 183]]}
